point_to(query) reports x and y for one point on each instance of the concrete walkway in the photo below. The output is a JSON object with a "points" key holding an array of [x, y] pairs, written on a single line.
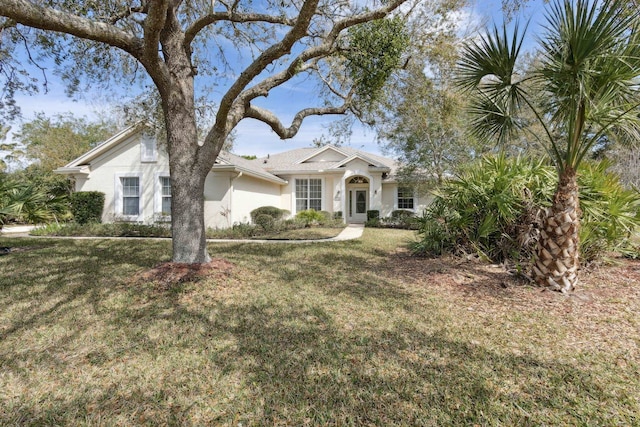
{"points": [[350, 232], [16, 229]]}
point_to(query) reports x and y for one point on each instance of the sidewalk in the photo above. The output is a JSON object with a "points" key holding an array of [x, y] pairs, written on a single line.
{"points": [[350, 232], [16, 229]]}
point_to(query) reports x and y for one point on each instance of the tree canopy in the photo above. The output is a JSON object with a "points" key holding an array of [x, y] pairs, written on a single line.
{"points": [[245, 50]]}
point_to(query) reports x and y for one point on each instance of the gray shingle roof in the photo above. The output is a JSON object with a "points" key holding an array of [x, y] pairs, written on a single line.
{"points": [[290, 161]]}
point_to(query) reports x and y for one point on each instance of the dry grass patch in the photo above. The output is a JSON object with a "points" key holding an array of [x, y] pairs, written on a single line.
{"points": [[343, 333]]}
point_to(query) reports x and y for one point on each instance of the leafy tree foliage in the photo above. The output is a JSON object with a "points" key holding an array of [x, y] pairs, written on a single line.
{"points": [[52, 142], [47, 143]]}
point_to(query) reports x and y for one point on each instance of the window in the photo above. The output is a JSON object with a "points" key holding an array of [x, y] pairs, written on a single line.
{"points": [[359, 180], [165, 195], [148, 149], [130, 196], [162, 196], [308, 194], [405, 198]]}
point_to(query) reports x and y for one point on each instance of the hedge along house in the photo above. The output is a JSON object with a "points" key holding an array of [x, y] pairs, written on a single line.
{"points": [[132, 170]]}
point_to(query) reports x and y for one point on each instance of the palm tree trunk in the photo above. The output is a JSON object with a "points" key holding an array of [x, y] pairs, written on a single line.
{"points": [[558, 255]]}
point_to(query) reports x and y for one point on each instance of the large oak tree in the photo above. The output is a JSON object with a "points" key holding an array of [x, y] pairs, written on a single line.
{"points": [[173, 41]]}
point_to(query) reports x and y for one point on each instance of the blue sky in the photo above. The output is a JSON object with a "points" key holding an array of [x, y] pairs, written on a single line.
{"points": [[253, 137]]}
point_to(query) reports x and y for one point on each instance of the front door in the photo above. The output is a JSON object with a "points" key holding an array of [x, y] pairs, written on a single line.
{"points": [[358, 204]]}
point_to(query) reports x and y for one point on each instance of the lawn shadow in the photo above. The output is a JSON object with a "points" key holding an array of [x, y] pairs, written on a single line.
{"points": [[305, 368], [65, 271], [266, 362]]}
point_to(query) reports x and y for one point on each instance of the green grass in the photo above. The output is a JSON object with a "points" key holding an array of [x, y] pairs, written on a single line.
{"points": [[340, 333]]}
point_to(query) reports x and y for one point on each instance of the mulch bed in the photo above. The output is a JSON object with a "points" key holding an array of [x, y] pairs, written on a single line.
{"points": [[168, 274]]}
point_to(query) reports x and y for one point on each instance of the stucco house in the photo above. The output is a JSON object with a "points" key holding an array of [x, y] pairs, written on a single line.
{"points": [[133, 172]]}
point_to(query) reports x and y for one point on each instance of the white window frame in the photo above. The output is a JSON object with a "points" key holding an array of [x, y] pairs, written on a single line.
{"points": [[148, 149], [119, 193], [396, 204], [157, 199], [294, 194]]}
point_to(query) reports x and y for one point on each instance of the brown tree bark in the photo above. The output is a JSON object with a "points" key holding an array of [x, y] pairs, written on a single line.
{"points": [[557, 259]]}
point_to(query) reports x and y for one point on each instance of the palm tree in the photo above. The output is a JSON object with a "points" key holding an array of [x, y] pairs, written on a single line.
{"points": [[583, 86]]}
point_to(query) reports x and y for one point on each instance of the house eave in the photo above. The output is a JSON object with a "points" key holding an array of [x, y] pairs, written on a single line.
{"points": [[240, 169], [78, 170], [104, 146]]}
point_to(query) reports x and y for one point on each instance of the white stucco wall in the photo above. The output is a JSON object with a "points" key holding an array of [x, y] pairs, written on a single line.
{"points": [[217, 200], [327, 155], [124, 159], [249, 193], [388, 199]]}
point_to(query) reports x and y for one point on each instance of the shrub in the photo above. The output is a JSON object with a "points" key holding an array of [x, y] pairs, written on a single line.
{"points": [[272, 211], [373, 214], [264, 221], [326, 217], [87, 206], [401, 218], [401, 214], [610, 213], [311, 216], [492, 209], [119, 229], [337, 215], [375, 223]]}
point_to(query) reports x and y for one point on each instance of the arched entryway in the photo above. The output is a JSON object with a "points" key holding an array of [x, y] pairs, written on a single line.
{"points": [[357, 199]]}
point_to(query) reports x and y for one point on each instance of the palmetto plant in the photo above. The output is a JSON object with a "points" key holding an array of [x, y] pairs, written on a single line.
{"points": [[24, 202], [584, 85]]}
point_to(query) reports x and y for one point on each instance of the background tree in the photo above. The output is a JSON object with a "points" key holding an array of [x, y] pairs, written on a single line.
{"points": [[175, 40], [52, 142], [425, 128], [421, 119], [47, 143], [588, 78]]}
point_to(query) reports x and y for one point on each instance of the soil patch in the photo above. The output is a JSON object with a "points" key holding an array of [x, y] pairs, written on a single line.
{"points": [[168, 274]]}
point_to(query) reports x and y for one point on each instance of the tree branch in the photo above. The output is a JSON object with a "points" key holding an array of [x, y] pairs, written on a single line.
{"points": [[125, 14], [277, 50], [45, 18], [272, 120], [153, 25], [231, 16], [299, 63]]}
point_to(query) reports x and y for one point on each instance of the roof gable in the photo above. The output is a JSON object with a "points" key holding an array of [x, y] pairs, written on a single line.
{"points": [[371, 163], [105, 146], [328, 153]]}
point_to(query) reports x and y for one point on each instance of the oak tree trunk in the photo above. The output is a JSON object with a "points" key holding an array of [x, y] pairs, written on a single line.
{"points": [[189, 163], [558, 254]]}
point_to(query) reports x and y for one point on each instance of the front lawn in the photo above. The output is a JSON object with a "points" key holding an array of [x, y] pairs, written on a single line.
{"points": [[335, 333]]}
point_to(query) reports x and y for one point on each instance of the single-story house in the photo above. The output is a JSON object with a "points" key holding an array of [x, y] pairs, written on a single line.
{"points": [[132, 169]]}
